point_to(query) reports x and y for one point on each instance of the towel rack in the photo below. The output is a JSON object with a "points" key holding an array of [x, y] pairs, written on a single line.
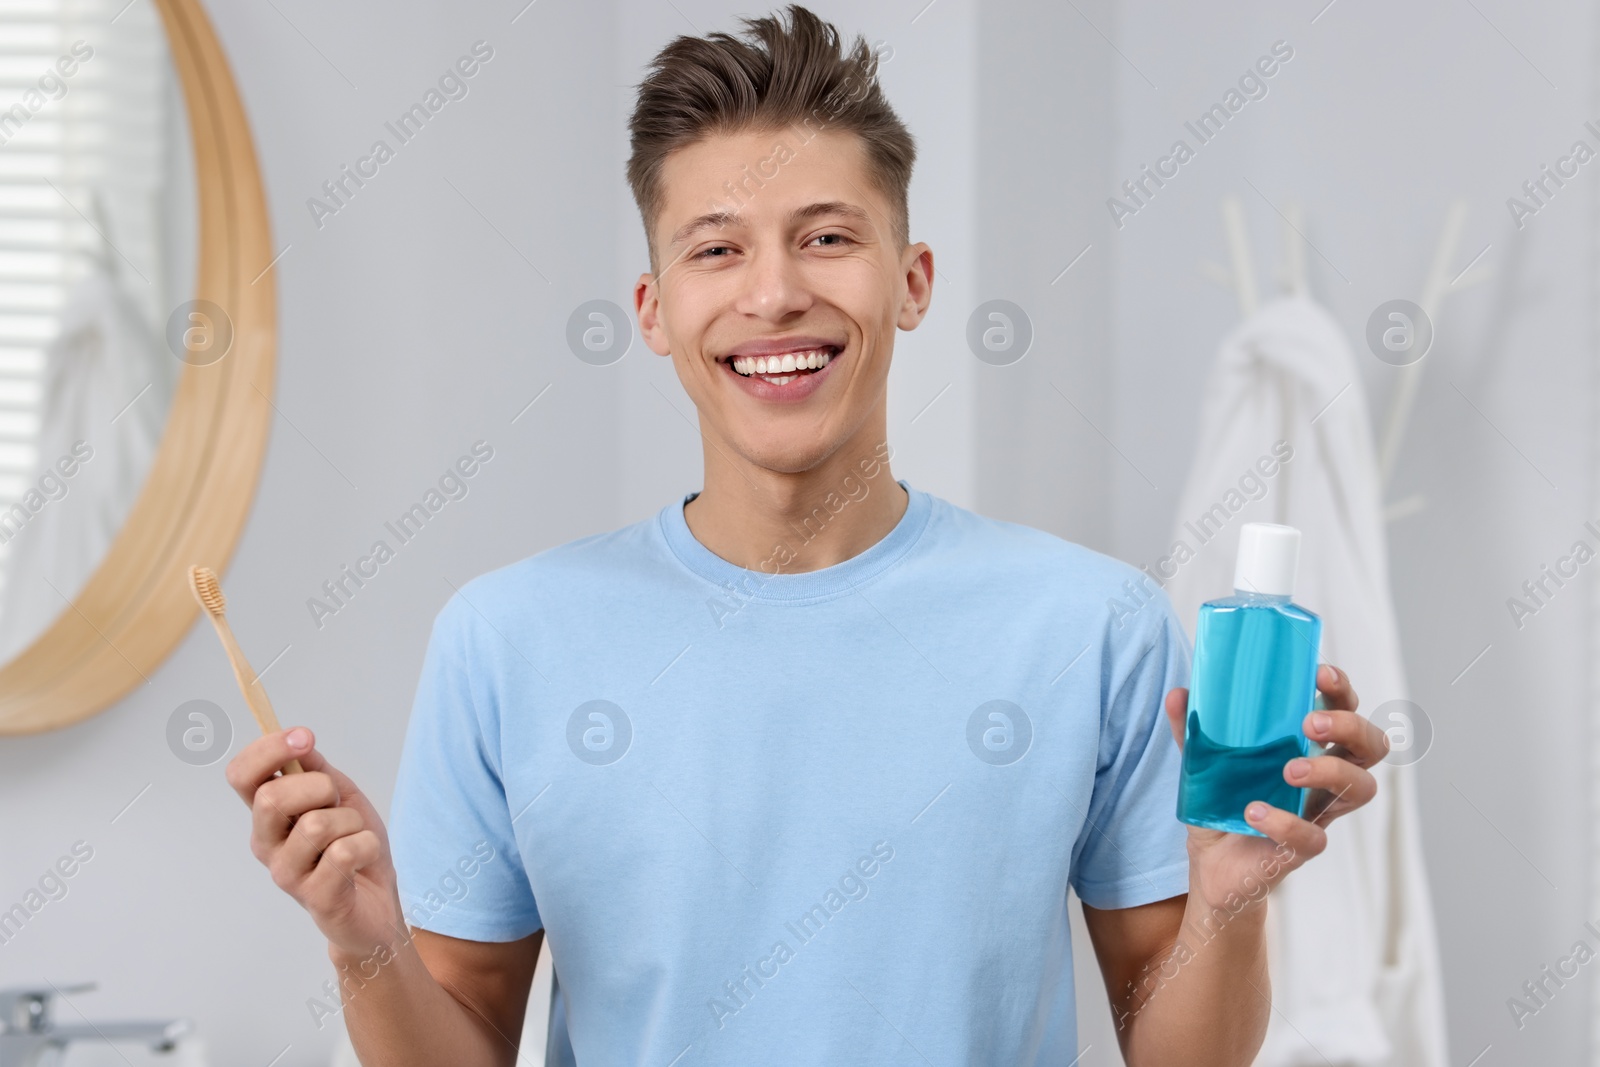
{"points": [[1240, 276]]}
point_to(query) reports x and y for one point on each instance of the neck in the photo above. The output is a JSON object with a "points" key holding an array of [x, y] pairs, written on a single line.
{"points": [[775, 522]]}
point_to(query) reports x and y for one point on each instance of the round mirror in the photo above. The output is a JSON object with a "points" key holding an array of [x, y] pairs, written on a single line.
{"points": [[136, 342]]}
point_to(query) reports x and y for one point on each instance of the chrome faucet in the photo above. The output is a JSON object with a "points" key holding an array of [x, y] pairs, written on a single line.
{"points": [[30, 1038]]}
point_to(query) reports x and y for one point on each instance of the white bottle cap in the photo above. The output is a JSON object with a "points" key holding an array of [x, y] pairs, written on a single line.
{"points": [[1268, 556]]}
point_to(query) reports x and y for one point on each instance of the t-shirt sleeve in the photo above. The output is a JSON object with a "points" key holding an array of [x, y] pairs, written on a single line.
{"points": [[455, 851], [1133, 850]]}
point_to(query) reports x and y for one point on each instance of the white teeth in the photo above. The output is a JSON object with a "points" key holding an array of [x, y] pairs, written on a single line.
{"points": [[791, 361]]}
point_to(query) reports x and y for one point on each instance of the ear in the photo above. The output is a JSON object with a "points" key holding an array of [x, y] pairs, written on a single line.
{"points": [[917, 262], [647, 305]]}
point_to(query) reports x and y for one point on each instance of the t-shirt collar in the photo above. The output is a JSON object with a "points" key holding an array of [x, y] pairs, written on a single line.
{"points": [[840, 578]]}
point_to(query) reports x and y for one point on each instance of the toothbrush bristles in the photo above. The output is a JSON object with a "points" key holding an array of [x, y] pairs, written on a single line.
{"points": [[203, 580]]}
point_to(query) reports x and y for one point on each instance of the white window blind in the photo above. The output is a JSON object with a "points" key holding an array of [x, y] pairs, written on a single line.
{"points": [[83, 168]]}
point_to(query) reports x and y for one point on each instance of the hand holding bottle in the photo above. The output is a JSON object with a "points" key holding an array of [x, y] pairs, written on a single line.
{"points": [[1226, 866], [1257, 789]]}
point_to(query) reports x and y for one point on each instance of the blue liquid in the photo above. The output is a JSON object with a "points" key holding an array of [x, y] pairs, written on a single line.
{"points": [[1254, 679]]}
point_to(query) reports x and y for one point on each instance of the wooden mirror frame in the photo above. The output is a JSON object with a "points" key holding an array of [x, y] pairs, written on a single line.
{"points": [[136, 606]]}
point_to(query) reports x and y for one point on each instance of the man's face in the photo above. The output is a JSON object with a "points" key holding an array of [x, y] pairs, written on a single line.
{"points": [[801, 265]]}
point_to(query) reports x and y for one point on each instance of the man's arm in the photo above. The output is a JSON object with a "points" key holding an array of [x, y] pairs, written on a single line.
{"points": [[1143, 962], [479, 987], [411, 997], [1188, 976]]}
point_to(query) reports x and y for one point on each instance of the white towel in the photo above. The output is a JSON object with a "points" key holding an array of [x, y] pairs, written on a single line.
{"points": [[108, 383], [1351, 941]]}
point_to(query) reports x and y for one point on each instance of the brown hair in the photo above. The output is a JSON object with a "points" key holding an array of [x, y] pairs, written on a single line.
{"points": [[782, 75]]}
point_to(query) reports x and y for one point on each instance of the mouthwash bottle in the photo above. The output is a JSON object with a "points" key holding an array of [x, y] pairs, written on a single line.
{"points": [[1254, 679]]}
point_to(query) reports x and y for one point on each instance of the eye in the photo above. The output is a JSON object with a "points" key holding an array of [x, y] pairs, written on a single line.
{"points": [[841, 238], [706, 253]]}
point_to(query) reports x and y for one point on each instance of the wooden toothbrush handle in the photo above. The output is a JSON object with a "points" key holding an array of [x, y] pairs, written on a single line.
{"points": [[250, 685]]}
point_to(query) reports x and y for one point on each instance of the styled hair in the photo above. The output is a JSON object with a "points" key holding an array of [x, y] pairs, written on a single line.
{"points": [[784, 74]]}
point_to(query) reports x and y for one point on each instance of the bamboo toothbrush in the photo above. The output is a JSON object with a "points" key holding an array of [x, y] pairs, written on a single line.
{"points": [[203, 581]]}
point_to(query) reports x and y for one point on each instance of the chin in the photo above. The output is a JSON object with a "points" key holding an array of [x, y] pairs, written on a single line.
{"points": [[787, 456]]}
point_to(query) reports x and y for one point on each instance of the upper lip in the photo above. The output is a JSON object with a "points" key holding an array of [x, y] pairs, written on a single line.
{"points": [[777, 346]]}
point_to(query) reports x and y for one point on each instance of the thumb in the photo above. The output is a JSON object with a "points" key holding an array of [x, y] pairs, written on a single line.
{"points": [[1177, 703]]}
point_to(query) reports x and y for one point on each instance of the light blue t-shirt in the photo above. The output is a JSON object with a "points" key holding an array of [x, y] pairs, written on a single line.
{"points": [[826, 817]]}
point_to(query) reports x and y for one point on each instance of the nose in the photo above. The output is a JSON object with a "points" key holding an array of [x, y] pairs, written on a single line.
{"points": [[774, 286]]}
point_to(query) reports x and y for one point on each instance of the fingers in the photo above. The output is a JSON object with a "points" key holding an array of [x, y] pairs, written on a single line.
{"points": [[350, 795], [1286, 828], [340, 861], [294, 817], [319, 850], [1338, 778], [261, 759], [312, 843], [280, 802], [1334, 685], [1340, 786], [1355, 737], [1177, 703]]}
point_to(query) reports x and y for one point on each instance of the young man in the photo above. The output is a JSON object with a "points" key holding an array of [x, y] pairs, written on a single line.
{"points": [[799, 770]]}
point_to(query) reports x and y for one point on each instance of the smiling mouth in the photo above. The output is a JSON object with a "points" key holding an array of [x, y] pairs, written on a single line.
{"points": [[781, 370]]}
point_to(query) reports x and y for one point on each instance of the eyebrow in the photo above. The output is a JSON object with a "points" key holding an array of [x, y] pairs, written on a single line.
{"points": [[714, 219]]}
